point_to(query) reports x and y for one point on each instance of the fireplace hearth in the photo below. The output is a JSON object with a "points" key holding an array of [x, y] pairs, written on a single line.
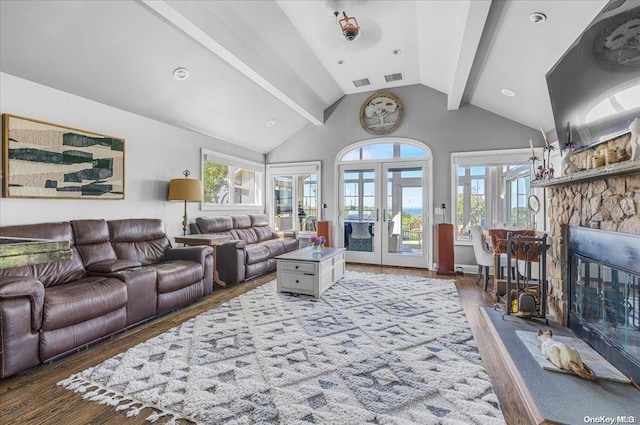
{"points": [[603, 281]]}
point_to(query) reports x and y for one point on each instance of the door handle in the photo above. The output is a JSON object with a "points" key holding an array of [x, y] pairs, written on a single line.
{"points": [[377, 214], [384, 216]]}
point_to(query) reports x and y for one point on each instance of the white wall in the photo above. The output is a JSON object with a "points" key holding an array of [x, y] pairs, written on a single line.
{"points": [[154, 154], [426, 120]]}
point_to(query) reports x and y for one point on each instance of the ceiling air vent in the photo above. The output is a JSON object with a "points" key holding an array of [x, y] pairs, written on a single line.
{"points": [[362, 83], [394, 77]]}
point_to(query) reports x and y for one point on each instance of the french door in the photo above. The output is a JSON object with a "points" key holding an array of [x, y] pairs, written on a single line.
{"points": [[383, 212]]}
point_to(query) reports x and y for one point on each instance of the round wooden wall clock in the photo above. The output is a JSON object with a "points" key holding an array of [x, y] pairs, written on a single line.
{"points": [[381, 113]]}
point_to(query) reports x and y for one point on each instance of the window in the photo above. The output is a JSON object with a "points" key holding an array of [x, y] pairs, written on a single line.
{"points": [[490, 187], [387, 150], [295, 202], [471, 202], [519, 181], [359, 195], [230, 182]]}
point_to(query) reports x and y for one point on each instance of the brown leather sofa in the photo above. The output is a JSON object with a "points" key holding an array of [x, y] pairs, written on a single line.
{"points": [[252, 248], [121, 272]]}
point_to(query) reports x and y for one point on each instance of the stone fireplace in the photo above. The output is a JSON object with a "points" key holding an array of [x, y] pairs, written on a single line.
{"points": [[605, 199], [611, 204]]}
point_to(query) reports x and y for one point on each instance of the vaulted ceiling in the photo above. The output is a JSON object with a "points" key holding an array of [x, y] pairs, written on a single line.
{"points": [[261, 70]]}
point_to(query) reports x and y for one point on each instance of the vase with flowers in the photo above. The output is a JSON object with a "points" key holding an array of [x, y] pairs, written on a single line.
{"points": [[317, 243]]}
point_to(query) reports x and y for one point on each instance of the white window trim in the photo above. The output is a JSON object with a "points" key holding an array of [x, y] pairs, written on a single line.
{"points": [[295, 169], [483, 158], [207, 154]]}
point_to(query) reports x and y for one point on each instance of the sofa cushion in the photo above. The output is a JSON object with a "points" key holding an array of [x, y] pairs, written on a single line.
{"points": [[175, 275], [214, 224], [259, 220], [263, 233], [248, 235], [112, 266], [139, 239], [93, 241], [241, 221], [50, 274], [84, 299], [275, 247], [256, 253]]}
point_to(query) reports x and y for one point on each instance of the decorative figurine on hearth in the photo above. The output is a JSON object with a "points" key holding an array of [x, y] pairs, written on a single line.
{"points": [[635, 139]]}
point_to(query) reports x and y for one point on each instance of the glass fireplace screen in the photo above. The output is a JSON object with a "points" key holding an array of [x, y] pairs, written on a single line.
{"points": [[606, 300]]}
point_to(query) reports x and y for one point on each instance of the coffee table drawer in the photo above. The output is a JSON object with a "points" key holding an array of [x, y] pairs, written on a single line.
{"points": [[297, 266], [297, 281]]}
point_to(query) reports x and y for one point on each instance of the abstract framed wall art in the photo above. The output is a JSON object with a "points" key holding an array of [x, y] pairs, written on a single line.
{"points": [[44, 160]]}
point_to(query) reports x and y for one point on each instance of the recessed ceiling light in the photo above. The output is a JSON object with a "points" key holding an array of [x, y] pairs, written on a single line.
{"points": [[271, 122], [397, 51], [508, 92], [537, 17], [341, 62], [181, 74]]}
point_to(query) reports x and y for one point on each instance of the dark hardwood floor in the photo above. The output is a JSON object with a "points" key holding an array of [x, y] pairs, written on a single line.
{"points": [[33, 397]]}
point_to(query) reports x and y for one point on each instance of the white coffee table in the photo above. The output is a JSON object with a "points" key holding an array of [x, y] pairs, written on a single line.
{"points": [[303, 272]]}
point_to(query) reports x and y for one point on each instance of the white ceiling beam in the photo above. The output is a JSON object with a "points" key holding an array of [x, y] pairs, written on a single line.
{"points": [[477, 14], [313, 113]]}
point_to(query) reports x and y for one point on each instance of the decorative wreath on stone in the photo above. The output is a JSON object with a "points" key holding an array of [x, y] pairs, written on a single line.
{"points": [[381, 113]]}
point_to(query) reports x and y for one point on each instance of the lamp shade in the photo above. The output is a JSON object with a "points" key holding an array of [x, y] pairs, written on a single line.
{"points": [[185, 190]]}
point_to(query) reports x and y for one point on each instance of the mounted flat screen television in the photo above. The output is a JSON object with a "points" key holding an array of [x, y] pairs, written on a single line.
{"points": [[595, 86]]}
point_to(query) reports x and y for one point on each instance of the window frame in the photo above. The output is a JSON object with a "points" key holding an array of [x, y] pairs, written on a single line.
{"points": [[492, 160], [207, 155], [512, 177], [294, 169], [396, 145]]}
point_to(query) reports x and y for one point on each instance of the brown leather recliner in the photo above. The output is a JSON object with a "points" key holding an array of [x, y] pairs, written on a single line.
{"points": [[253, 246], [121, 272]]}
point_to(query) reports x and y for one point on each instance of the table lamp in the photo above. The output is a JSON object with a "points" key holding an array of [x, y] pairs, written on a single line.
{"points": [[185, 189]]}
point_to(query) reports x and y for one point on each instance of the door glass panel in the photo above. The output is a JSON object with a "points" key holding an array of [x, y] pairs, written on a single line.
{"points": [[404, 215], [295, 202], [308, 185], [359, 210], [283, 203]]}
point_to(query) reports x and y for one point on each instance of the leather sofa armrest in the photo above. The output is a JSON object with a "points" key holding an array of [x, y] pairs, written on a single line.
{"points": [[193, 253], [230, 261], [112, 266], [233, 244], [27, 287]]}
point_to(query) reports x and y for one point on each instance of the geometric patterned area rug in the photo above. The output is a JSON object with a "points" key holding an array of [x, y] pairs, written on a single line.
{"points": [[373, 349]]}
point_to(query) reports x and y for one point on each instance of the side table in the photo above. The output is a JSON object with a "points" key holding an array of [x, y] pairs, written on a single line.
{"points": [[212, 240]]}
